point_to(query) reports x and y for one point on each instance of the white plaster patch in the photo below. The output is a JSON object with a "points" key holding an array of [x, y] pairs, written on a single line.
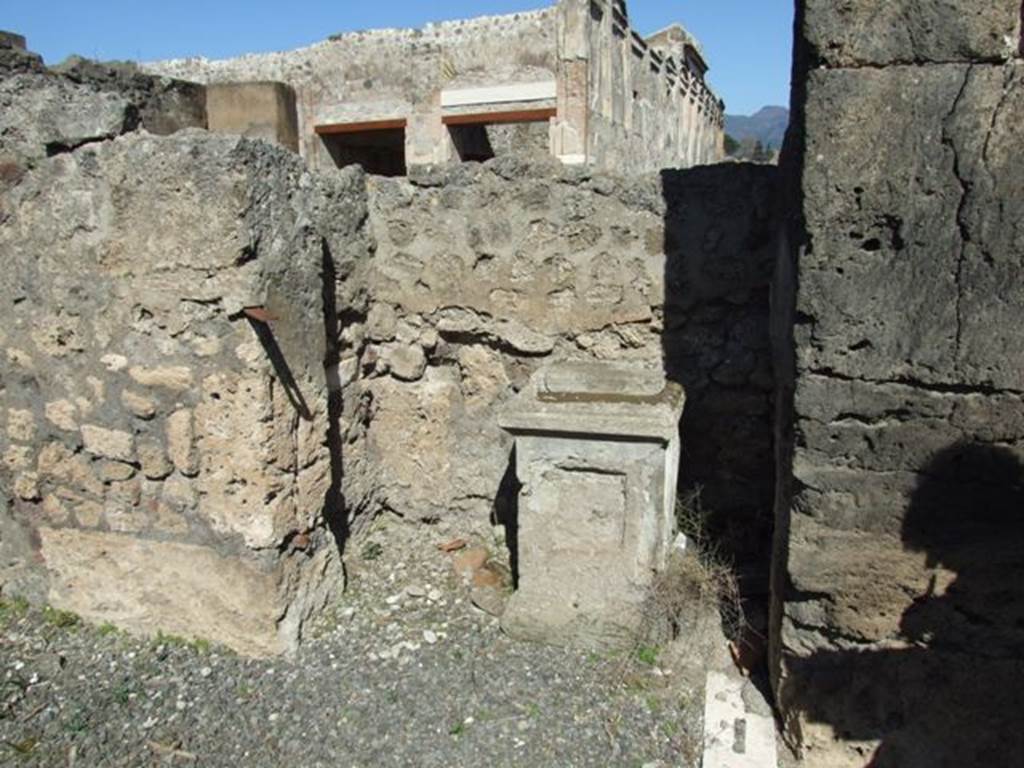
{"points": [[498, 94], [734, 737]]}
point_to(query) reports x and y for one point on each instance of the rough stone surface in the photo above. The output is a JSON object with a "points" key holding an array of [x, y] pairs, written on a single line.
{"points": [[214, 596], [47, 111], [164, 105], [14, 59], [897, 624], [41, 115], [140, 402], [918, 287], [857, 32], [131, 327], [566, 267]]}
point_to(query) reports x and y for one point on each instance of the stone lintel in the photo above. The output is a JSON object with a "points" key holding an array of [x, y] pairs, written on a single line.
{"points": [[498, 94]]}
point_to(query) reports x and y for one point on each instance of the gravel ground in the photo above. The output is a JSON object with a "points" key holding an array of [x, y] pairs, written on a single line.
{"points": [[404, 672]]}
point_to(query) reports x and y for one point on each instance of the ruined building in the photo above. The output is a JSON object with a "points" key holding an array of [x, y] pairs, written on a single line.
{"points": [[574, 79], [221, 358]]}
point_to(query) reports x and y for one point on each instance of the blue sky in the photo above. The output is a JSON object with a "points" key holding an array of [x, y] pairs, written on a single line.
{"points": [[747, 41]]}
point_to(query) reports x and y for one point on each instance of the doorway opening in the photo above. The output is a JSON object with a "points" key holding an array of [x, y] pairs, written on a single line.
{"points": [[378, 147], [482, 136]]}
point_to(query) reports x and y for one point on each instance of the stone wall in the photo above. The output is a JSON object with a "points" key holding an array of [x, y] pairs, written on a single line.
{"points": [[153, 433], [164, 105], [625, 104], [484, 273], [391, 73], [47, 111], [255, 110], [170, 463], [14, 58], [898, 627]]}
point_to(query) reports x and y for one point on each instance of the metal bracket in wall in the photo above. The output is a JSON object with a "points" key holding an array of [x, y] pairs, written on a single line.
{"points": [[259, 314]]}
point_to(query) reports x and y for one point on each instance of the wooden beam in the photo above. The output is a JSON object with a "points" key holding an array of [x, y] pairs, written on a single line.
{"points": [[511, 116], [368, 125]]}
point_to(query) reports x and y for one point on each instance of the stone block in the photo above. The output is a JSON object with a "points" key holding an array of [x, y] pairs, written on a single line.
{"points": [[139, 405], [21, 425], [922, 285], [176, 377], [60, 464], [423, 474], [153, 459], [406, 361], [108, 443], [115, 471], [382, 322], [17, 457], [484, 378], [26, 486], [597, 454], [858, 32], [258, 110], [181, 442], [63, 414], [40, 115]]}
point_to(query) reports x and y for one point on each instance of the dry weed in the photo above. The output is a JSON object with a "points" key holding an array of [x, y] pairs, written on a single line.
{"points": [[696, 598]]}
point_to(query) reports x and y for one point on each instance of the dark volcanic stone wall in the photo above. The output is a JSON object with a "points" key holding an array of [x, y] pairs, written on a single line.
{"points": [[899, 620], [164, 105]]}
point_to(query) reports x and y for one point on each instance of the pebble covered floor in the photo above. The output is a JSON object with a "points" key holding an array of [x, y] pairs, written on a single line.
{"points": [[404, 671]]}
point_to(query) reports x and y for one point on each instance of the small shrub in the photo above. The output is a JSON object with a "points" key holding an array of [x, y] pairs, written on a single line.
{"points": [[23, 748], [705, 574], [372, 551], [61, 619], [12, 609], [197, 644], [122, 693], [648, 654]]}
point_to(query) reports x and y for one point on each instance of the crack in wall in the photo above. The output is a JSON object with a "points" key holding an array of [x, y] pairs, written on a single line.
{"points": [[965, 188], [934, 388], [1003, 97], [916, 63]]}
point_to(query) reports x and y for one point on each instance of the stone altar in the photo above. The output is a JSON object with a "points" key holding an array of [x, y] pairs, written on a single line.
{"points": [[597, 455]]}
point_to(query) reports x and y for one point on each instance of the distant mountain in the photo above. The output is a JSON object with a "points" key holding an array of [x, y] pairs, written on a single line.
{"points": [[768, 125]]}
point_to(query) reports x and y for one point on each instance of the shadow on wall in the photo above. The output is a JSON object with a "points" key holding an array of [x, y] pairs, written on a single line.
{"points": [[955, 696], [720, 227], [506, 514], [335, 514], [281, 368]]}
